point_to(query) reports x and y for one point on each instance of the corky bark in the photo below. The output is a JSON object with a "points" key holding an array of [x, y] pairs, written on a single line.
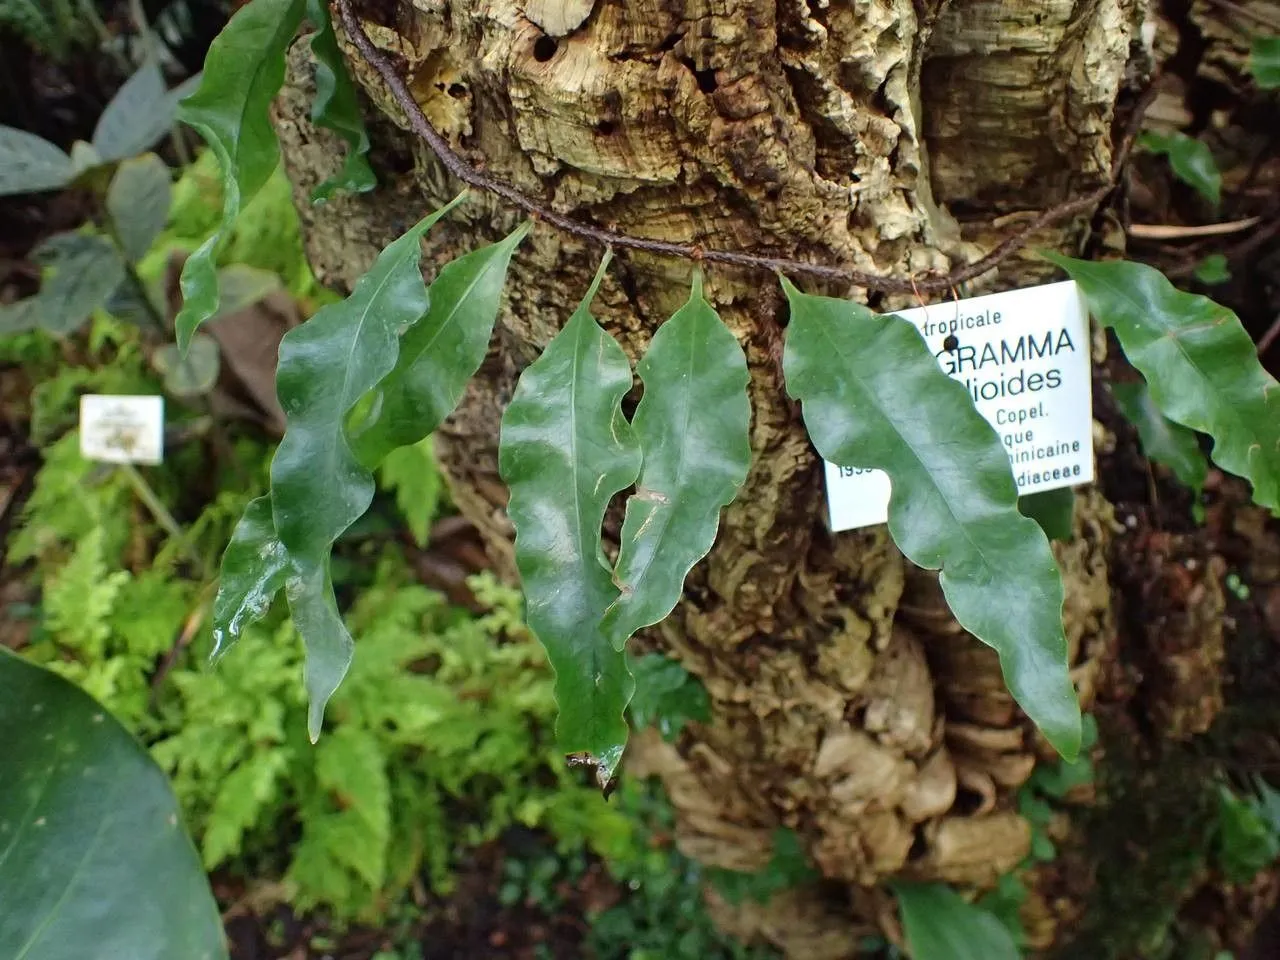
{"points": [[894, 136]]}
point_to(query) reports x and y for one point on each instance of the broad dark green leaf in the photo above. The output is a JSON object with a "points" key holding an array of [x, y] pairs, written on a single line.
{"points": [[1054, 510], [193, 374], [254, 569], [29, 164], [80, 272], [1264, 62], [1200, 365], [19, 317], [1162, 440], [336, 108], [692, 424], [138, 203], [667, 695], [940, 925], [231, 110], [137, 116], [874, 396], [565, 450], [1190, 160], [94, 861], [318, 486], [439, 354]]}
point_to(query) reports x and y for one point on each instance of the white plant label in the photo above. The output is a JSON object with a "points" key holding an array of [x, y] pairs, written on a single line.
{"points": [[122, 429], [1024, 358]]}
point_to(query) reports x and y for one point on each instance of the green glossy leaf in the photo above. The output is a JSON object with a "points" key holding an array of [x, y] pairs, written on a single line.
{"points": [[692, 423], [318, 486], [94, 861], [1264, 62], [138, 115], [193, 374], [1200, 365], [939, 925], [231, 110], [29, 164], [1190, 160], [254, 569], [80, 272], [1213, 270], [336, 108], [1054, 510], [874, 396], [565, 450], [1162, 440], [667, 696], [138, 203], [441, 353]]}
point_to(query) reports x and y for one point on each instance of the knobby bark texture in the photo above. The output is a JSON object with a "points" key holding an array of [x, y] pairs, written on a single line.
{"points": [[898, 136]]}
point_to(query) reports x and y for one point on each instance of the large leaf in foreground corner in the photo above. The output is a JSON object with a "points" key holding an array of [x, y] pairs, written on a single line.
{"points": [[231, 110], [692, 424], [940, 925], [318, 487], [336, 108], [94, 861], [439, 355], [566, 449], [1163, 440], [1200, 365], [874, 396], [255, 566]]}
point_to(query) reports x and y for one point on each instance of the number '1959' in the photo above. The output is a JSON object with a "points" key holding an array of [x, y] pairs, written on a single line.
{"points": [[854, 471]]}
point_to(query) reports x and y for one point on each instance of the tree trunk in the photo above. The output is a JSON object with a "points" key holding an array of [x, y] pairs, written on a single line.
{"points": [[897, 136]]}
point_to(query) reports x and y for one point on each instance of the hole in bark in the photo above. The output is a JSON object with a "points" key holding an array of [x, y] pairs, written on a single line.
{"points": [[670, 42], [544, 48], [457, 91], [605, 128], [706, 80], [950, 343], [919, 845], [875, 301], [968, 802]]}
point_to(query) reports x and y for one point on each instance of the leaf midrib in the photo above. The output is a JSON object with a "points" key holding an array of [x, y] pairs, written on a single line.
{"points": [[910, 446], [1227, 410]]}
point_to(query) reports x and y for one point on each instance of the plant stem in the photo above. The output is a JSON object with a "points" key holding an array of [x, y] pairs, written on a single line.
{"points": [[167, 522]]}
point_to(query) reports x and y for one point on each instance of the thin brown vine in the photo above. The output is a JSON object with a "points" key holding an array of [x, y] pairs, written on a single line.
{"points": [[929, 283]]}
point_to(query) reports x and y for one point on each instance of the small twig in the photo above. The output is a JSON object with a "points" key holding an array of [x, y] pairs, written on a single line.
{"points": [[1242, 247], [932, 283], [162, 515], [1168, 231], [1270, 337]]}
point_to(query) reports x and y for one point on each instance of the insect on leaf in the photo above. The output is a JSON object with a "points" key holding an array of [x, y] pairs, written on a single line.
{"points": [[692, 424], [1163, 440], [940, 925], [1201, 367], [336, 108], [243, 72], [95, 861], [565, 450], [138, 203], [318, 487], [255, 566], [441, 353], [29, 164], [874, 396]]}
